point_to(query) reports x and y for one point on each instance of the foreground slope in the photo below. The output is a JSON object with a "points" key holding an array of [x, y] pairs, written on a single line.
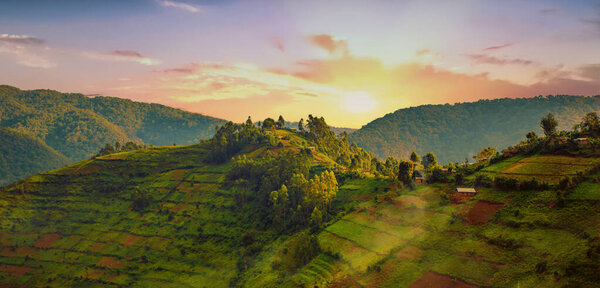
{"points": [[457, 131], [164, 217], [22, 155]]}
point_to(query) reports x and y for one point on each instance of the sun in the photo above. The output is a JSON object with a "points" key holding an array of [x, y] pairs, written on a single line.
{"points": [[358, 101]]}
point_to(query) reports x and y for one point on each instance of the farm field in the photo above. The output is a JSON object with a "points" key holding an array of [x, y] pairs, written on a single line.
{"points": [[545, 168], [76, 226]]}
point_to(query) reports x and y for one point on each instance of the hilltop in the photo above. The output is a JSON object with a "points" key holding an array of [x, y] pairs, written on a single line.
{"points": [[457, 131], [77, 126], [280, 208]]}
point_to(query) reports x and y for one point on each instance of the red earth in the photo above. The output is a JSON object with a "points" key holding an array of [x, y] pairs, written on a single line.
{"points": [[482, 212]]}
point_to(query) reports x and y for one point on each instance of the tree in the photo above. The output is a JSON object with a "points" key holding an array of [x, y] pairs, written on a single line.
{"points": [[429, 160], [485, 154], [280, 122], [590, 123], [414, 157], [301, 125], [249, 122], [549, 125], [531, 136], [268, 123], [405, 171], [316, 218]]}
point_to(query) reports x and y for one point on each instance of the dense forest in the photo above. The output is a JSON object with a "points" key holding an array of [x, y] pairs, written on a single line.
{"points": [[77, 126], [457, 131], [22, 155]]}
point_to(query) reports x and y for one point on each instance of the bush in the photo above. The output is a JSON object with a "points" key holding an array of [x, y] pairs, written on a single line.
{"points": [[299, 250], [483, 180]]}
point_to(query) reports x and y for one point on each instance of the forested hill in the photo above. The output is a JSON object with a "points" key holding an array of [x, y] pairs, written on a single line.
{"points": [[22, 155], [77, 126], [454, 132]]}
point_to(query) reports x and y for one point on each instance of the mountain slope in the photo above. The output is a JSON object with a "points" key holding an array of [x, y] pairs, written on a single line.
{"points": [[22, 155], [454, 132], [77, 126]]}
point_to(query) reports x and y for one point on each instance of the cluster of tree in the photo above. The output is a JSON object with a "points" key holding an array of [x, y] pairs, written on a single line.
{"points": [[110, 149], [231, 138], [561, 141], [454, 131], [280, 186], [337, 147]]}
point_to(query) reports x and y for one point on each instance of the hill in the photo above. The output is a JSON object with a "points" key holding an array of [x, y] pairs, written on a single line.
{"points": [[22, 155], [77, 126], [261, 208], [454, 132]]}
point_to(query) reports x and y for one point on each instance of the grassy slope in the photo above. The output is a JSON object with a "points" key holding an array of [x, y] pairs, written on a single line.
{"points": [[74, 225], [22, 155], [394, 243]]}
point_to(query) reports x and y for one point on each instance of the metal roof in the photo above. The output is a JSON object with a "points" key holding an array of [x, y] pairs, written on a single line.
{"points": [[466, 190]]}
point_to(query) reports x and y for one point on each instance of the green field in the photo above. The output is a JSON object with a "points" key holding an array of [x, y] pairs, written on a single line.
{"points": [[545, 168], [76, 227]]}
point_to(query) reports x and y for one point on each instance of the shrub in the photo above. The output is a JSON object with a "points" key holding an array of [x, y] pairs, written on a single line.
{"points": [[299, 250]]}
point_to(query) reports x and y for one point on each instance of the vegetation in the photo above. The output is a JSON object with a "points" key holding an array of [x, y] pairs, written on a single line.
{"points": [[457, 131], [263, 206], [22, 155], [76, 126]]}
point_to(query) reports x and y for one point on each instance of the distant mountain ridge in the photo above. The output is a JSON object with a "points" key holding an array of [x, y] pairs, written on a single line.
{"points": [[454, 132], [76, 126]]}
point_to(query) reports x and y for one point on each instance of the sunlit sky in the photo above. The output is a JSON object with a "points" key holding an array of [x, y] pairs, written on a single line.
{"points": [[349, 61]]}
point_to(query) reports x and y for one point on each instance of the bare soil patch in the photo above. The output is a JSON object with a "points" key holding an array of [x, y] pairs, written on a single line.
{"points": [[435, 280], [47, 240], [130, 240], [98, 246], [482, 212], [18, 251], [16, 270], [109, 262], [409, 253]]}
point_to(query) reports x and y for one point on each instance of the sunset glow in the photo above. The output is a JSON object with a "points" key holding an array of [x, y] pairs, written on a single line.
{"points": [[351, 61]]}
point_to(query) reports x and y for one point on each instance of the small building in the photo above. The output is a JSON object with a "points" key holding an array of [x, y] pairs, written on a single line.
{"points": [[582, 141], [465, 191], [312, 148], [420, 180]]}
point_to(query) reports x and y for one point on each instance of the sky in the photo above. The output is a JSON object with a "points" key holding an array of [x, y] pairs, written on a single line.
{"points": [[349, 61]]}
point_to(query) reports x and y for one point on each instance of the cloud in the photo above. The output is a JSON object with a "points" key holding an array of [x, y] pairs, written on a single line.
{"points": [[330, 43], [590, 72], [423, 52], [498, 47], [21, 39], [277, 42], [26, 50], [123, 56], [180, 5], [26, 57], [487, 59]]}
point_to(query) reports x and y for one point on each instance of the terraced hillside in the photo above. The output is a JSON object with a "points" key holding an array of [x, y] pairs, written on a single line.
{"points": [[82, 226], [79, 225], [545, 168]]}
